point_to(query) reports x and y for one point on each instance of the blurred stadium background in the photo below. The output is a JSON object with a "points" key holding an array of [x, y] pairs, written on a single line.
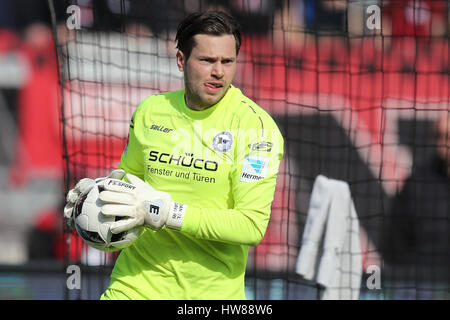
{"points": [[355, 97]]}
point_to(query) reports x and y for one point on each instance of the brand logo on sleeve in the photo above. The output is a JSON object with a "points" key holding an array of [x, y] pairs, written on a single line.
{"points": [[254, 168], [160, 128], [223, 141], [261, 146]]}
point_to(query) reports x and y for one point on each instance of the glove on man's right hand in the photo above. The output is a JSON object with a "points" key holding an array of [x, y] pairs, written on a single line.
{"points": [[82, 187]]}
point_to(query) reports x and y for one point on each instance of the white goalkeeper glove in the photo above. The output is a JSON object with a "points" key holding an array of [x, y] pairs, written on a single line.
{"points": [[139, 204], [82, 187]]}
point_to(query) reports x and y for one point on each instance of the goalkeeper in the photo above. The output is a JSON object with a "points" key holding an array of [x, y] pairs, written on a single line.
{"points": [[203, 162]]}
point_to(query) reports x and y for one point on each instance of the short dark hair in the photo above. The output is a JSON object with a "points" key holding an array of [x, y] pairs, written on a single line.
{"points": [[209, 22]]}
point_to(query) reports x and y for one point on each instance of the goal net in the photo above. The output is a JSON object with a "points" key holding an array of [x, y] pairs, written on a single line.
{"points": [[357, 88]]}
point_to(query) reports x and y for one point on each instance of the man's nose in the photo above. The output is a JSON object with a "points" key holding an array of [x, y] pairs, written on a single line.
{"points": [[217, 70]]}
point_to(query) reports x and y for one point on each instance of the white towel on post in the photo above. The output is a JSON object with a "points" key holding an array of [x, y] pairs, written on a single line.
{"points": [[340, 265], [314, 227]]}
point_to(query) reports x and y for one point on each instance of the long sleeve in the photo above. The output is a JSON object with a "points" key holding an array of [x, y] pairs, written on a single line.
{"points": [[253, 181], [129, 161]]}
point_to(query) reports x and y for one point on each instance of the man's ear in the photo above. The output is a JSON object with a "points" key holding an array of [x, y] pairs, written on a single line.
{"points": [[180, 60]]}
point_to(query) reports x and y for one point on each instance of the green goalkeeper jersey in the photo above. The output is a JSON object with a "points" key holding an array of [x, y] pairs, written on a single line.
{"points": [[222, 163]]}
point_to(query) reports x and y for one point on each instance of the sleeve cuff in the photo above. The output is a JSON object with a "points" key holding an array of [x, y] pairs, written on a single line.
{"points": [[191, 221]]}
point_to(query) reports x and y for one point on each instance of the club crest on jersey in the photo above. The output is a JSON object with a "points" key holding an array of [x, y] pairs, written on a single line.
{"points": [[223, 141]]}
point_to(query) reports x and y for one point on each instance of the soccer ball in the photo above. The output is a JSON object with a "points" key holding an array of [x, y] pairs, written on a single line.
{"points": [[94, 227]]}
